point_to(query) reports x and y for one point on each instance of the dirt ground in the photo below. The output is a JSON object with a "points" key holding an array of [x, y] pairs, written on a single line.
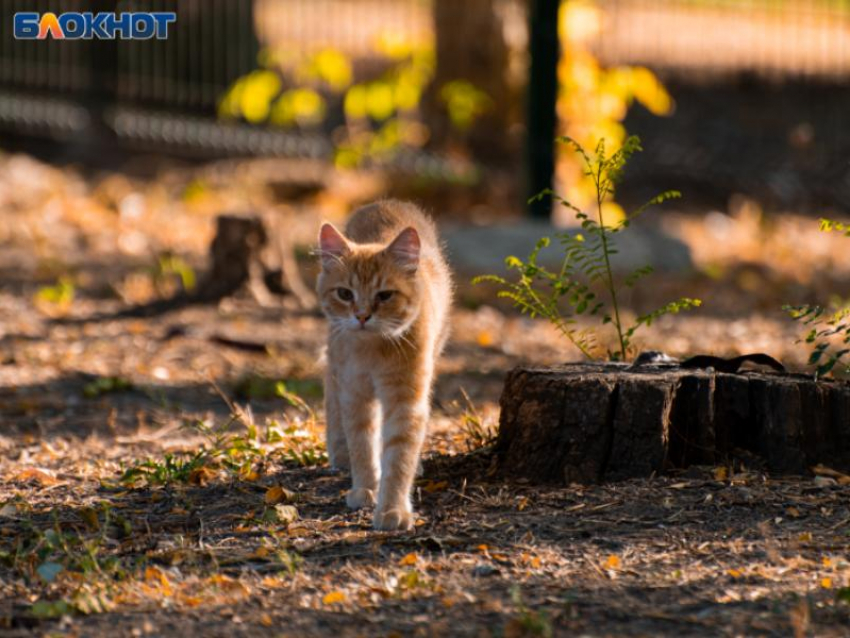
{"points": [[133, 503]]}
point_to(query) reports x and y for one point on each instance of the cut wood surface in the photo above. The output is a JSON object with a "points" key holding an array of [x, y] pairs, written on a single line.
{"points": [[585, 423]]}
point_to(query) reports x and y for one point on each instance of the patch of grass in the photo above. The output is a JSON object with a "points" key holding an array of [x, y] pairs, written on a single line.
{"points": [[171, 469], [241, 455], [106, 385], [528, 622], [585, 284], [478, 432]]}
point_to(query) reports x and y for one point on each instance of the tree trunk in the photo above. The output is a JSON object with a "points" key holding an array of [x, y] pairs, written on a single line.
{"points": [[471, 46], [587, 423]]}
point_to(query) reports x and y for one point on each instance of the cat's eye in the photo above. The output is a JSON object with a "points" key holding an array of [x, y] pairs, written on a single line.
{"points": [[345, 294], [385, 295]]}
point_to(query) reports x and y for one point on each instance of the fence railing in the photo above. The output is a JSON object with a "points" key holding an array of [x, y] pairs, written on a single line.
{"points": [[168, 93]]}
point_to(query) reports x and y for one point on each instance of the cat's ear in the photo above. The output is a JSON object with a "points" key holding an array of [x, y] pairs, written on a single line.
{"points": [[405, 249], [332, 245]]}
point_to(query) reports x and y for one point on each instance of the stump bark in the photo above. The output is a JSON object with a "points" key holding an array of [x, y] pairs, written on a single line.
{"points": [[586, 423]]}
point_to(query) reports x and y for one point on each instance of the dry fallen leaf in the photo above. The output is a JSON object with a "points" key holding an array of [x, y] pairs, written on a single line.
{"points": [[201, 475], [826, 583], [286, 513], [157, 577], [823, 470], [334, 597], [38, 475], [278, 494], [612, 562], [409, 560], [432, 487]]}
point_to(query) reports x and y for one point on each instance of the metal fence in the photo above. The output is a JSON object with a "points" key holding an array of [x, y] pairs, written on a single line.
{"points": [[166, 94], [774, 39]]}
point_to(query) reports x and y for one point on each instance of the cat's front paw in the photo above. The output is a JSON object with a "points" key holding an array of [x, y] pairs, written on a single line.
{"points": [[392, 520], [359, 498]]}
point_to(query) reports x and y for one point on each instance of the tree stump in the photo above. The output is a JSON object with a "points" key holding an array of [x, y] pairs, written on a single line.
{"points": [[586, 423], [249, 251]]}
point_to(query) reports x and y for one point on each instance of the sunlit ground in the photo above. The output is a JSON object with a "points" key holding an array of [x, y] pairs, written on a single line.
{"points": [[209, 545]]}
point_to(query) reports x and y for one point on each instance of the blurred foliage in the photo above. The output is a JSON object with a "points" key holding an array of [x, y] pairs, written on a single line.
{"points": [[593, 101], [827, 328], [370, 119], [168, 268], [58, 297], [464, 103], [584, 285], [106, 385]]}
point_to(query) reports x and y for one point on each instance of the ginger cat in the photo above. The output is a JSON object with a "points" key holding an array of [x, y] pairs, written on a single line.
{"points": [[386, 290]]}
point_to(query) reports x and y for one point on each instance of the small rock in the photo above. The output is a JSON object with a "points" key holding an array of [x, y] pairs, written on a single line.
{"points": [[825, 481]]}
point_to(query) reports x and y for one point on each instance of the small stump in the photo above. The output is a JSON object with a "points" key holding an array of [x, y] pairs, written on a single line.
{"points": [[586, 423]]}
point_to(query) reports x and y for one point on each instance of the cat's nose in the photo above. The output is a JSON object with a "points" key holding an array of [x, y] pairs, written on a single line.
{"points": [[363, 318]]}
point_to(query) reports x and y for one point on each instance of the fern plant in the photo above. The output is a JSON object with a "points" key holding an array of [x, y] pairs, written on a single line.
{"points": [[827, 329], [585, 283]]}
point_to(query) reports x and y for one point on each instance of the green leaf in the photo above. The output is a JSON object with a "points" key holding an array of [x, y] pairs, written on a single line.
{"points": [[50, 609]]}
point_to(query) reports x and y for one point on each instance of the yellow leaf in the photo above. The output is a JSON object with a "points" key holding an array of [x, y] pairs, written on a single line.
{"points": [[734, 573], [334, 597], [432, 487], [484, 339], [220, 579], [827, 561], [720, 473], [409, 560], [612, 562], [826, 583], [272, 582], [191, 601], [522, 503], [805, 537], [157, 577], [251, 475]]}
